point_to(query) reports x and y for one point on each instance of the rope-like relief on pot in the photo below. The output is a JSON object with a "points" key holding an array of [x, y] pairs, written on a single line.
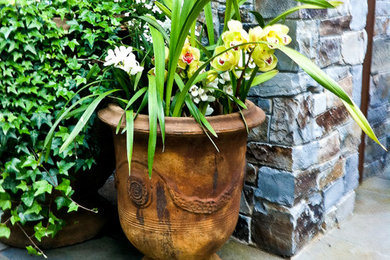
{"points": [[191, 204]]}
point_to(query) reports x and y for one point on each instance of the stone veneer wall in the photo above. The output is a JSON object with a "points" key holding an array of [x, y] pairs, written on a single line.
{"points": [[303, 162], [377, 161]]}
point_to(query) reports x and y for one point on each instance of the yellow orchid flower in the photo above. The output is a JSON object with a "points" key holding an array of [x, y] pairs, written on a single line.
{"points": [[235, 36], [264, 58], [188, 55], [226, 61], [277, 34]]}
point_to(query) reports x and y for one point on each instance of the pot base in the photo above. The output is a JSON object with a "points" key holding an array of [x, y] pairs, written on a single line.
{"points": [[212, 257]]}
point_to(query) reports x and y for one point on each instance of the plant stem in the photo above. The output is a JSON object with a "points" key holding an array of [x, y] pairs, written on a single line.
{"points": [[29, 238], [84, 208], [239, 82]]}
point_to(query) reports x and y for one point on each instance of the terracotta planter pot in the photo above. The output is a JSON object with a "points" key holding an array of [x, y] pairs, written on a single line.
{"points": [[189, 208], [80, 226]]}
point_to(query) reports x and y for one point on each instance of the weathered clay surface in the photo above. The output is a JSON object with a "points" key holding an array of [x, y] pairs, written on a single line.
{"points": [[189, 207]]}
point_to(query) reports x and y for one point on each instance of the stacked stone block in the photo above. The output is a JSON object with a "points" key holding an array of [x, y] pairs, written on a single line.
{"points": [[377, 161], [302, 162]]}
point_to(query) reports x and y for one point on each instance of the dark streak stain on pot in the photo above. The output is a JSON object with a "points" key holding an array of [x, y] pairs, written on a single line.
{"points": [[215, 177], [162, 212], [140, 216]]}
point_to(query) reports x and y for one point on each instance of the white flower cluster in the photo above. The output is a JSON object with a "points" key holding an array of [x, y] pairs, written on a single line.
{"points": [[123, 58], [199, 94], [225, 81]]}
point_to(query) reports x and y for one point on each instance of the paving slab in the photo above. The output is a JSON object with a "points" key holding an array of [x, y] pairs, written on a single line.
{"points": [[96, 249]]}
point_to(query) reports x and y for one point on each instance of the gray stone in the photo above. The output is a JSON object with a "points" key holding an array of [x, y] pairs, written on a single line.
{"points": [[283, 230], [308, 37], [345, 206], [375, 115], [340, 212], [350, 137], [357, 74], [354, 45], [359, 11], [313, 14], [265, 104], [372, 168], [330, 220], [305, 156], [380, 55], [249, 192], [380, 92], [244, 206], [286, 64], [291, 123], [382, 26], [242, 231], [330, 51], [351, 171], [276, 186], [283, 84], [382, 8], [333, 193], [260, 133], [108, 190], [318, 105], [268, 8], [373, 152], [342, 10]]}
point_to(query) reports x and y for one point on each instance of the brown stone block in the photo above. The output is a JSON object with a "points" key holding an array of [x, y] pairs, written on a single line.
{"points": [[333, 117], [305, 183], [273, 231], [329, 147], [283, 230], [251, 174], [335, 26], [270, 155], [332, 100], [331, 174]]}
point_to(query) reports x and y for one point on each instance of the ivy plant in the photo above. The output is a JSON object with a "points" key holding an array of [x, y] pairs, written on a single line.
{"points": [[46, 52]]}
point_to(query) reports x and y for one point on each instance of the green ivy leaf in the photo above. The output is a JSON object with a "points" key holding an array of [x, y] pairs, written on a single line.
{"points": [[42, 187], [65, 187], [61, 202], [32, 251], [4, 231], [73, 207]]}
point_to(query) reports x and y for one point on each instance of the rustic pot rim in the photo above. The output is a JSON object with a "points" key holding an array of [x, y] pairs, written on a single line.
{"points": [[254, 116]]}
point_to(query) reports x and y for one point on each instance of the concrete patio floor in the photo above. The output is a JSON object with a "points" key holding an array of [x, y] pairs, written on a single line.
{"points": [[366, 235]]}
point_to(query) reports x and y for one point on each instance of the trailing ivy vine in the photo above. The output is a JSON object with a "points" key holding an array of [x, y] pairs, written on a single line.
{"points": [[42, 66]]}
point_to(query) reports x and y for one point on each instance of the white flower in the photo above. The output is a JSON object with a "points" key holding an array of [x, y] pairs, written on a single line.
{"points": [[194, 91], [204, 96], [228, 90], [225, 78], [123, 58], [209, 110]]}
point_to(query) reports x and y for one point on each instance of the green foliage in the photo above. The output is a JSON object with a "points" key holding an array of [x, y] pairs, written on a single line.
{"points": [[42, 66]]}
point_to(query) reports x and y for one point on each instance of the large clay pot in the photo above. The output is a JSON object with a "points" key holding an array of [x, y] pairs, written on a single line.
{"points": [[80, 226], [189, 208]]}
